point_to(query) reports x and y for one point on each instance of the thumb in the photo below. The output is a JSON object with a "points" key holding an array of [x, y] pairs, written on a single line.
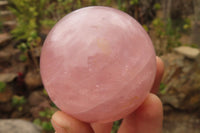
{"points": [[64, 123]]}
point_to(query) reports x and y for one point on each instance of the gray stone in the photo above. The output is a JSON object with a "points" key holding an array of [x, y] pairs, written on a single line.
{"points": [[181, 122], [189, 52], [181, 80], [180, 95], [7, 77], [18, 126], [171, 99]]}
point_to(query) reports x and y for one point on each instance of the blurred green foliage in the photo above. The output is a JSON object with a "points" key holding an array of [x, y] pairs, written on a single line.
{"points": [[47, 113], [187, 24], [44, 120], [22, 57], [2, 86], [115, 126], [162, 88], [168, 32], [145, 27], [28, 13], [157, 6], [18, 100], [46, 125], [32, 15], [1, 26], [45, 92], [133, 2]]}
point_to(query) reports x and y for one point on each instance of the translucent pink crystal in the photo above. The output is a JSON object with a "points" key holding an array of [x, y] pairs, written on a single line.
{"points": [[98, 64]]}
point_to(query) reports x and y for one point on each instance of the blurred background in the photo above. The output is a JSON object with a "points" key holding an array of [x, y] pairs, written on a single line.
{"points": [[174, 27]]}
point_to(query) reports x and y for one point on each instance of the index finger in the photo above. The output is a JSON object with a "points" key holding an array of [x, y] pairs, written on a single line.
{"points": [[159, 74]]}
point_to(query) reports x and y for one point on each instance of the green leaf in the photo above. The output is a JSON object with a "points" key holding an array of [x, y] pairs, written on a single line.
{"points": [[116, 125], [45, 92], [2, 86], [133, 2], [47, 126], [37, 121], [145, 27], [22, 47], [22, 57], [162, 88], [42, 113], [157, 6], [18, 100]]}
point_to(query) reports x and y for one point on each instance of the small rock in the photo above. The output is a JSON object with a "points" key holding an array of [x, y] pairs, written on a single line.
{"points": [[6, 95], [171, 99], [181, 122], [180, 91], [18, 126], [41, 106], [5, 56], [10, 23], [7, 77], [4, 38], [3, 3], [17, 114], [6, 107], [33, 80], [189, 52], [192, 100], [37, 51], [4, 13], [36, 98]]}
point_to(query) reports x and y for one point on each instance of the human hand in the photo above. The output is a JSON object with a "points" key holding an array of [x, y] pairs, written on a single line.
{"points": [[146, 119]]}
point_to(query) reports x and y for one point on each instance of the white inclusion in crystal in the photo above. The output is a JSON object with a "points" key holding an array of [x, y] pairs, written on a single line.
{"points": [[97, 86], [126, 67], [90, 69], [140, 82]]}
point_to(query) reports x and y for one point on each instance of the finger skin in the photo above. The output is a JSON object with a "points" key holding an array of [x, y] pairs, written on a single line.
{"points": [[64, 123], [159, 74], [146, 119], [102, 127]]}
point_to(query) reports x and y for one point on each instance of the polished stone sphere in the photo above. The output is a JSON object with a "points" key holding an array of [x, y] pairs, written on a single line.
{"points": [[98, 64]]}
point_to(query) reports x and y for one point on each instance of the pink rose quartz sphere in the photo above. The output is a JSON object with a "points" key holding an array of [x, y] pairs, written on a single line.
{"points": [[98, 64]]}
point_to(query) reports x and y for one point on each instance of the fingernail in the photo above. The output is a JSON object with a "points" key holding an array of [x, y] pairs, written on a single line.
{"points": [[59, 125]]}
